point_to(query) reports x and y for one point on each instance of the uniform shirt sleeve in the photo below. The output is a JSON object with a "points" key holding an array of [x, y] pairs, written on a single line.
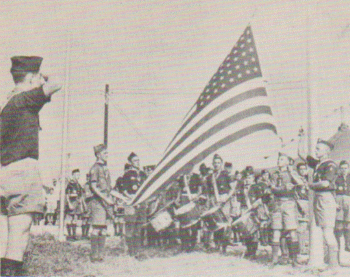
{"points": [[227, 184], [94, 174], [34, 99]]}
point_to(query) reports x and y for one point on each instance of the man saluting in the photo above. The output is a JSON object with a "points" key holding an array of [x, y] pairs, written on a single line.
{"points": [[20, 183], [323, 184]]}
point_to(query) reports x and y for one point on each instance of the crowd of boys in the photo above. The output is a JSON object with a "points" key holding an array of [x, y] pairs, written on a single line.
{"points": [[215, 206]]}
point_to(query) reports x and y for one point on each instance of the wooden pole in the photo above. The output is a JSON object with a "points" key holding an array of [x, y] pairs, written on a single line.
{"points": [[316, 252], [64, 155], [105, 140]]}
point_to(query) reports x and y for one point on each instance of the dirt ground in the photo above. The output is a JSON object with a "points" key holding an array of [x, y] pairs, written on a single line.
{"points": [[48, 257]]}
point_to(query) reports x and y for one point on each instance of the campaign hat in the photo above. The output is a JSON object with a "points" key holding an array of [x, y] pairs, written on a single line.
{"points": [[131, 156]]}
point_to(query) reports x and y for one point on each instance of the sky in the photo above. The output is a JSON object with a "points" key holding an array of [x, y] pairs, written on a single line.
{"points": [[157, 56]]}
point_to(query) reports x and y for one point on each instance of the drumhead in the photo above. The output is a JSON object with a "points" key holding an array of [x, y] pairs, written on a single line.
{"points": [[161, 221]]}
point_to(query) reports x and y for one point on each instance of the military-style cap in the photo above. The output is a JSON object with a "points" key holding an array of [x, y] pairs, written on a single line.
{"points": [[249, 170], [26, 64], [330, 145], [217, 156], [131, 156], [75, 170], [99, 148]]}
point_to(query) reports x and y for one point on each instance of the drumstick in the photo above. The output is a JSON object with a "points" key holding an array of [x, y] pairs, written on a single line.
{"points": [[187, 188], [255, 205], [120, 196]]}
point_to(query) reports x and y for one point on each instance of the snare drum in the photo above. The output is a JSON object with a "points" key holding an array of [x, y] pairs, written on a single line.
{"points": [[215, 219], [246, 224], [161, 220], [189, 214]]}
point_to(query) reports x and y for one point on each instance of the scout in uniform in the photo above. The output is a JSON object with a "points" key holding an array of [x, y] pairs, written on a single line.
{"points": [[119, 210], [190, 189], [86, 216], [324, 202], [20, 182], [219, 188], [302, 190], [248, 193], [134, 216], [284, 215], [101, 203], [342, 191], [75, 206], [259, 191], [244, 192]]}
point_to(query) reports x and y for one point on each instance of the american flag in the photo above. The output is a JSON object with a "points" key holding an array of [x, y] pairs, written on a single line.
{"points": [[232, 106]]}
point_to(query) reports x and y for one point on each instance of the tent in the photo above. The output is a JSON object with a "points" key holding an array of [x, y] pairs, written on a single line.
{"points": [[341, 141]]}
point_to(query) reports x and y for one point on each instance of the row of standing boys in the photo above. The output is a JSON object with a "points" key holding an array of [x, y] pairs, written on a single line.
{"points": [[218, 208]]}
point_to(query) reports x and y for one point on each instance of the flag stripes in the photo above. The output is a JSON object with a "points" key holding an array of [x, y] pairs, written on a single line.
{"points": [[232, 106]]}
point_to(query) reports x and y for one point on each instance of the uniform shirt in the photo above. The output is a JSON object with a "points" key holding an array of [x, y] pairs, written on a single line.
{"points": [[323, 171], [99, 174], [19, 124], [133, 179], [342, 185], [222, 181], [119, 185], [302, 191], [74, 187], [257, 191], [194, 183], [280, 189]]}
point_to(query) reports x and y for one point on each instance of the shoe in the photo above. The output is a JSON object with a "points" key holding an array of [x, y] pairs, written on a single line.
{"points": [[140, 257], [272, 265], [296, 264], [94, 258], [284, 260]]}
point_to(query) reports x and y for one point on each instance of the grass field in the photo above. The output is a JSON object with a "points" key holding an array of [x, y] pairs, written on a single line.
{"points": [[48, 257]]}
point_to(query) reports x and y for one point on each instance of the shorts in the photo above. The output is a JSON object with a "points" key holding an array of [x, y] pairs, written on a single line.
{"points": [[285, 215], [325, 209], [99, 212], [343, 208], [21, 188]]}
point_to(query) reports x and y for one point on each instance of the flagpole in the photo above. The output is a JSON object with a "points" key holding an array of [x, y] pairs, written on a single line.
{"points": [[316, 251], [64, 156]]}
